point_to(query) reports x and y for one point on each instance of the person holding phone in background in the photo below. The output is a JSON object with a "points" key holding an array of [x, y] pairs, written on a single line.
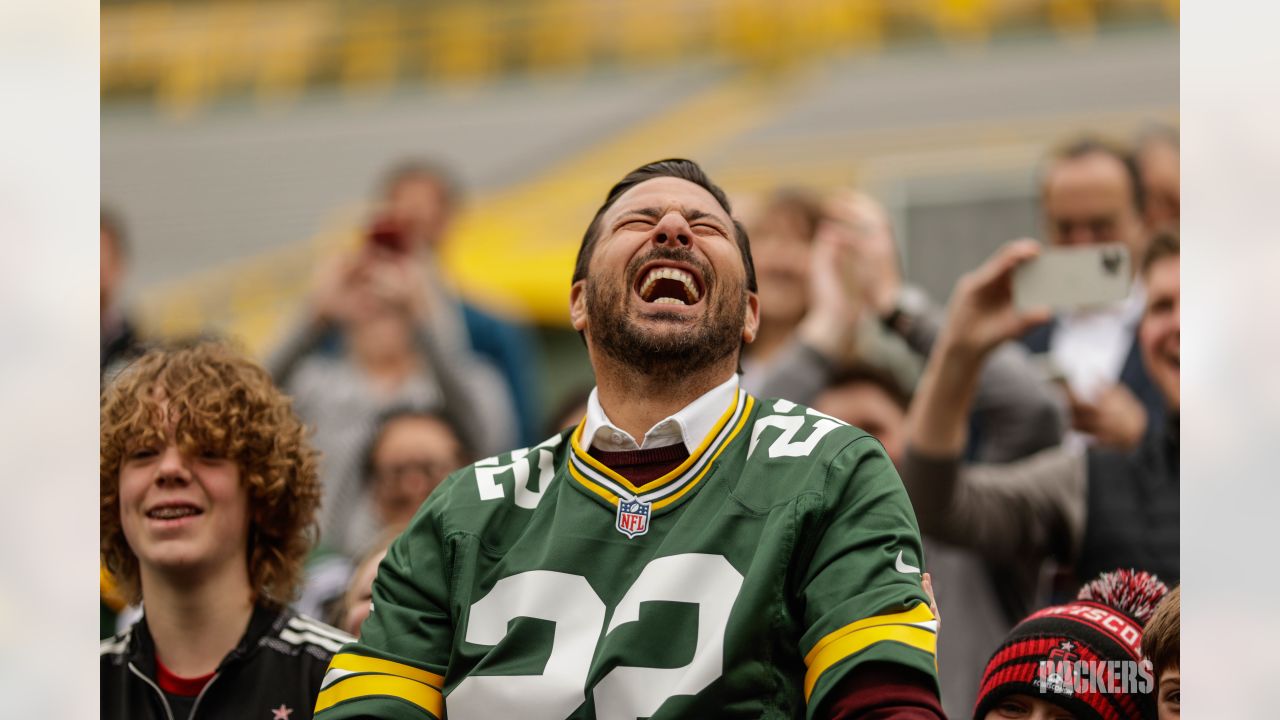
{"points": [[1093, 509], [1092, 194], [422, 198], [373, 299]]}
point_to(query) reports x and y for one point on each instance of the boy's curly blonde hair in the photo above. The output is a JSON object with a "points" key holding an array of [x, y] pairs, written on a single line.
{"points": [[218, 402]]}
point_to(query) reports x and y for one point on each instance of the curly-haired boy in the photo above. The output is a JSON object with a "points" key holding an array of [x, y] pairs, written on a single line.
{"points": [[208, 501]]}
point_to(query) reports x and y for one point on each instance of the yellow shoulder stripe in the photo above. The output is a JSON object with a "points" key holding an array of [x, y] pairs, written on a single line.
{"points": [[360, 686], [707, 468], [918, 614], [855, 637], [365, 664]]}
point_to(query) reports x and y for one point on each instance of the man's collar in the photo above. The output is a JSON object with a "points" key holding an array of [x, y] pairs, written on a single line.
{"points": [[689, 425]]}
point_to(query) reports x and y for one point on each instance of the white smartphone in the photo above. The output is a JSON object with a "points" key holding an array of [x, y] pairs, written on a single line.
{"points": [[1071, 278]]}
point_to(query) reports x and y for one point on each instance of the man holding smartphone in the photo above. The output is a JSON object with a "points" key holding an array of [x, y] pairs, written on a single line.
{"points": [[1092, 195], [1095, 509]]}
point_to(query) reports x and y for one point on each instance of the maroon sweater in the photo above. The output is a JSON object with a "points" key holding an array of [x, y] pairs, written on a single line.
{"points": [[878, 691]]}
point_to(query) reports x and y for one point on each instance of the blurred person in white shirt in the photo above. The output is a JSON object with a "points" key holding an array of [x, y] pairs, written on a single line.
{"points": [[1092, 193]]}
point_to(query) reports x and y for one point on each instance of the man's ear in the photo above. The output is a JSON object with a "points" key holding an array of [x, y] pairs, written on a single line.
{"points": [[751, 321], [578, 305]]}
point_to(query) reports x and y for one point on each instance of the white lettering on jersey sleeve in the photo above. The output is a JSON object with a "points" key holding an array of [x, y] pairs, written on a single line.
{"points": [[786, 445], [488, 470]]}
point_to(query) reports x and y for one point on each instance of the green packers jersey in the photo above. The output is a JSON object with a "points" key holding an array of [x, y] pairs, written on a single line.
{"points": [[745, 583]]}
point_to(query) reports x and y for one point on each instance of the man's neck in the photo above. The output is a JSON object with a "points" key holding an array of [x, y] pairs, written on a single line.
{"points": [[635, 402], [195, 624]]}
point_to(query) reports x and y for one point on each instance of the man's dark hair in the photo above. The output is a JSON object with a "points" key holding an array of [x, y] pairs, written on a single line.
{"points": [[675, 168], [401, 412], [1086, 146], [426, 170], [111, 223], [1165, 244]]}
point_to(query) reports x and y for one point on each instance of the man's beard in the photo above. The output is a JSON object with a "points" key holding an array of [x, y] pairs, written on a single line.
{"points": [[684, 348]]}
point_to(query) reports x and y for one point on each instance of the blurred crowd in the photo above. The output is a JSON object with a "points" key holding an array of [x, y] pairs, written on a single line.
{"points": [[1039, 450]]}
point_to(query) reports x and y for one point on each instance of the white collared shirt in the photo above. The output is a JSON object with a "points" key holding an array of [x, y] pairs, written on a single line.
{"points": [[690, 425], [1091, 345]]}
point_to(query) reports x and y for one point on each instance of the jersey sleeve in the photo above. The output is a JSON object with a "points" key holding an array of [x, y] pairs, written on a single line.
{"points": [[396, 669], [860, 581]]}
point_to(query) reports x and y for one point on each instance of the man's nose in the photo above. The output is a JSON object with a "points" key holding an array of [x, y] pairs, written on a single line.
{"points": [[173, 467], [672, 230]]}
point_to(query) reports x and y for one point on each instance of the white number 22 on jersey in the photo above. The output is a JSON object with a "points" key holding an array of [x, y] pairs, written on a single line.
{"points": [[625, 693]]}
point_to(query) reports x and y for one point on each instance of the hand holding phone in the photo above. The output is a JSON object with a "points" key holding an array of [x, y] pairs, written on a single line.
{"points": [[982, 312]]}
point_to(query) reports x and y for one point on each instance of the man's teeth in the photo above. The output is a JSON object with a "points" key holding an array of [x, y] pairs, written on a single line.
{"points": [[669, 273], [172, 513]]}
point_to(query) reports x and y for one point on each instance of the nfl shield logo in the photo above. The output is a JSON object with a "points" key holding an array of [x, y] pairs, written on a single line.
{"points": [[633, 517]]}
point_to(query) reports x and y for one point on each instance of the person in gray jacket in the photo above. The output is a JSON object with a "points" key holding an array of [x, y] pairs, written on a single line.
{"points": [[856, 355], [389, 353]]}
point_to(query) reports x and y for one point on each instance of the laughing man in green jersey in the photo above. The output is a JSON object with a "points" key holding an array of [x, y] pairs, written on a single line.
{"points": [[686, 551]]}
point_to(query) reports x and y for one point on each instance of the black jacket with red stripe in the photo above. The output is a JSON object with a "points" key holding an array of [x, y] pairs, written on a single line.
{"points": [[274, 673]]}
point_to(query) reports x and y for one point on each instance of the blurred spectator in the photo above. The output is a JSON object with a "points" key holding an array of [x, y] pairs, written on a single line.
{"points": [[408, 455], [411, 454], [1092, 193], [421, 198], [1092, 509], [391, 355], [1014, 414], [208, 500], [357, 599], [1158, 164], [1078, 661], [811, 260], [1161, 645], [781, 230], [869, 398], [118, 342]]}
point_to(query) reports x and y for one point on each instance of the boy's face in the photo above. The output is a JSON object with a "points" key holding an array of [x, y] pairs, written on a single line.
{"points": [[1169, 694], [185, 514]]}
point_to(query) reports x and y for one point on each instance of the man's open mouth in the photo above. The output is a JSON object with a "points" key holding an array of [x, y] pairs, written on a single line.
{"points": [[173, 512], [666, 285]]}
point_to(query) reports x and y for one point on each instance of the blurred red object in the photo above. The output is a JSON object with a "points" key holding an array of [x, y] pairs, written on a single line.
{"points": [[385, 234]]}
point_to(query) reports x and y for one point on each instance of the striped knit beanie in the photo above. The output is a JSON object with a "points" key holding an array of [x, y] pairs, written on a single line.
{"points": [[1085, 656]]}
